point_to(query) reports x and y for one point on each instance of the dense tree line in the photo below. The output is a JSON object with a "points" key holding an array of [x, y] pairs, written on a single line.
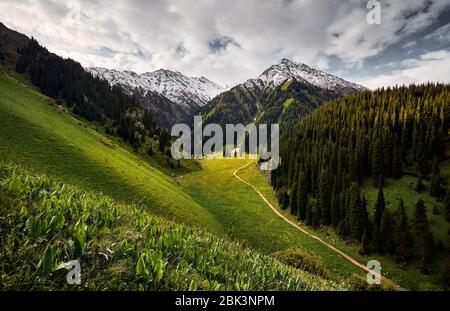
{"points": [[88, 97], [367, 135]]}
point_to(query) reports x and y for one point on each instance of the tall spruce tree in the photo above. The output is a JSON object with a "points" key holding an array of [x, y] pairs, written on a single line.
{"points": [[293, 199], [435, 185], [380, 206], [385, 234], [324, 200], [302, 197], [402, 234], [447, 205], [335, 212], [397, 167], [423, 237], [356, 218]]}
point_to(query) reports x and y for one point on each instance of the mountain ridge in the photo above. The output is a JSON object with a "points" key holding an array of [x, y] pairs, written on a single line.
{"points": [[286, 70], [188, 92], [281, 94]]}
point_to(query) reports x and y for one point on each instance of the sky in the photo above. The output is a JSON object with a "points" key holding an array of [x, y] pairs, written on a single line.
{"points": [[234, 40]]}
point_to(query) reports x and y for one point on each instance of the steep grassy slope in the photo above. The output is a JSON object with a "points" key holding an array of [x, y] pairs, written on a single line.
{"points": [[36, 133], [46, 223]]}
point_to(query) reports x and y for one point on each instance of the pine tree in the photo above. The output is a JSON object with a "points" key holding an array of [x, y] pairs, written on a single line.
{"points": [[335, 212], [446, 271], [365, 244], [356, 218], [293, 200], [435, 185], [397, 169], [309, 214], [423, 237], [385, 235], [380, 206], [316, 215], [378, 158], [324, 200], [402, 235], [422, 163], [420, 187], [302, 197], [447, 205]]}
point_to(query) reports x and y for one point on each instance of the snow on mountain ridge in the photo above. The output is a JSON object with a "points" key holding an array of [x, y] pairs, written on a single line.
{"points": [[287, 70], [188, 92]]}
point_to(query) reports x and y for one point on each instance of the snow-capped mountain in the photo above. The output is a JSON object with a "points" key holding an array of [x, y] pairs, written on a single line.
{"points": [[188, 92], [287, 70], [270, 99]]}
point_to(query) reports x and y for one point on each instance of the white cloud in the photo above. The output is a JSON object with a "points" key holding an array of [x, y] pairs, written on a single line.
{"points": [[429, 67], [142, 35]]}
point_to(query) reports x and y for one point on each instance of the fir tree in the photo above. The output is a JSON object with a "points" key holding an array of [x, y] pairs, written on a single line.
{"points": [[356, 218], [385, 234], [324, 200], [423, 237], [309, 214], [380, 206], [397, 169], [401, 235], [302, 197], [420, 187], [293, 199], [335, 212], [447, 205], [446, 271], [435, 185]]}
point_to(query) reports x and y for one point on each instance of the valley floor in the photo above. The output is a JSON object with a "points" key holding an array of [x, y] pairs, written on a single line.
{"points": [[45, 138], [248, 218]]}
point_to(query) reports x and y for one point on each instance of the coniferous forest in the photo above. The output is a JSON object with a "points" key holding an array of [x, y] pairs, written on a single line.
{"points": [[385, 134]]}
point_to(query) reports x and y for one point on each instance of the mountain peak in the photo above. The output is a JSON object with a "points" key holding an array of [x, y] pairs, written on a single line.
{"points": [[286, 61], [286, 70], [188, 92]]}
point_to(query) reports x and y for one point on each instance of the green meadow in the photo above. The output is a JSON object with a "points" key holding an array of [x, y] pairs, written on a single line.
{"points": [[37, 134]]}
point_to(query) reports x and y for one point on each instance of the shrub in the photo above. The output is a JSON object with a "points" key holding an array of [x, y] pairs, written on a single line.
{"points": [[300, 259]]}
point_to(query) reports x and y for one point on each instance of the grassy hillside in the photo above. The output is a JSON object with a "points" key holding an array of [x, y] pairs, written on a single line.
{"points": [[46, 223], [40, 135], [239, 209], [246, 217]]}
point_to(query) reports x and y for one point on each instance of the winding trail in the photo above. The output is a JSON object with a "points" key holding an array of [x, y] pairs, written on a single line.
{"points": [[299, 228]]}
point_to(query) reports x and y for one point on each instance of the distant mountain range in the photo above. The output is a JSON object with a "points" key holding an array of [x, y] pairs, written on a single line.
{"points": [[174, 97], [170, 95]]}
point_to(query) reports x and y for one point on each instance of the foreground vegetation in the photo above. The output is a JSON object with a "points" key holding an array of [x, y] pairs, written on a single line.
{"points": [[45, 224]]}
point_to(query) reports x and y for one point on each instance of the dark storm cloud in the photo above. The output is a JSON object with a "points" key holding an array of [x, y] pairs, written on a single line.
{"points": [[218, 45]]}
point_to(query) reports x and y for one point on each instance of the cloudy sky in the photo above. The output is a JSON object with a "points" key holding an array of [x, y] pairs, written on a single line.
{"points": [[233, 40]]}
